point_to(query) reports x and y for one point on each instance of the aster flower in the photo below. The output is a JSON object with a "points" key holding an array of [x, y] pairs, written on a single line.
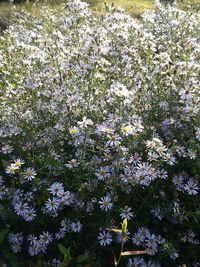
{"points": [[16, 241], [15, 238], [120, 90], [153, 156], [34, 249], [126, 213], [29, 215], [32, 239], [11, 169], [56, 189], [19, 162], [76, 227], [67, 198], [28, 196], [178, 181], [152, 241], [137, 262], [42, 247], [61, 234], [105, 203], [105, 238], [103, 129], [191, 187], [85, 122], [102, 173], [29, 174], [46, 237], [127, 130], [74, 131], [56, 263], [114, 140], [21, 208], [16, 248], [144, 232], [157, 213], [138, 239], [52, 204], [7, 149]]}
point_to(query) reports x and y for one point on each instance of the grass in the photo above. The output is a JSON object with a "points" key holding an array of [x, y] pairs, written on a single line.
{"points": [[133, 7]]}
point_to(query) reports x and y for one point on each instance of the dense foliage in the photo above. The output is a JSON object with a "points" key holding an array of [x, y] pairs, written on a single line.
{"points": [[100, 122]]}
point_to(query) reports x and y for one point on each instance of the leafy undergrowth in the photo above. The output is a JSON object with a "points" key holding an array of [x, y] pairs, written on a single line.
{"points": [[100, 124]]}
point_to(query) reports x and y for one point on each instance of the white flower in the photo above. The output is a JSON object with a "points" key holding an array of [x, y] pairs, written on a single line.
{"points": [[120, 90], [85, 122], [127, 130], [74, 131], [11, 169], [19, 162]]}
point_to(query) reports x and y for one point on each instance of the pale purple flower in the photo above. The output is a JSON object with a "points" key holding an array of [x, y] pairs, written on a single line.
{"points": [[138, 239], [29, 174], [30, 214], [106, 203], [76, 227], [102, 173], [105, 238], [21, 208], [191, 187], [52, 204], [126, 213], [56, 189]]}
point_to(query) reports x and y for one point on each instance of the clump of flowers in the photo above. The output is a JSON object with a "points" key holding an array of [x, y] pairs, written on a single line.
{"points": [[100, 123]]}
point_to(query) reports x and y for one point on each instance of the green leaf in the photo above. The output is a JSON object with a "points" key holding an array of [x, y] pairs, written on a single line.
{"points": [[65, 252], [38, 263], [82, 258], [63, 249], [12, 259], [197, 213], [3, 234]]}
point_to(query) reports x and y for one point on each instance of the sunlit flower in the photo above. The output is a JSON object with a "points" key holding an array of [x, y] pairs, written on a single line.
{"points": [[11, 169]]}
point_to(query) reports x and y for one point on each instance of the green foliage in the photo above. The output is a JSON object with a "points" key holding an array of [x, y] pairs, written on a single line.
{"points": [[66, 253], [3, 234]]}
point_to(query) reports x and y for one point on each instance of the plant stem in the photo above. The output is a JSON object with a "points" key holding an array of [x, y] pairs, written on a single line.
{"points": [[120, 255]]}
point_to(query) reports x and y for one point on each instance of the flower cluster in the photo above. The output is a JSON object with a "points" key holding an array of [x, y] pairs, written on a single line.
{"points": [[100, 123]]}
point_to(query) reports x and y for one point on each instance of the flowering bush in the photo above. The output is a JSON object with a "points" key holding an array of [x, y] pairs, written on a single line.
{"points": [[100, 123]]}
